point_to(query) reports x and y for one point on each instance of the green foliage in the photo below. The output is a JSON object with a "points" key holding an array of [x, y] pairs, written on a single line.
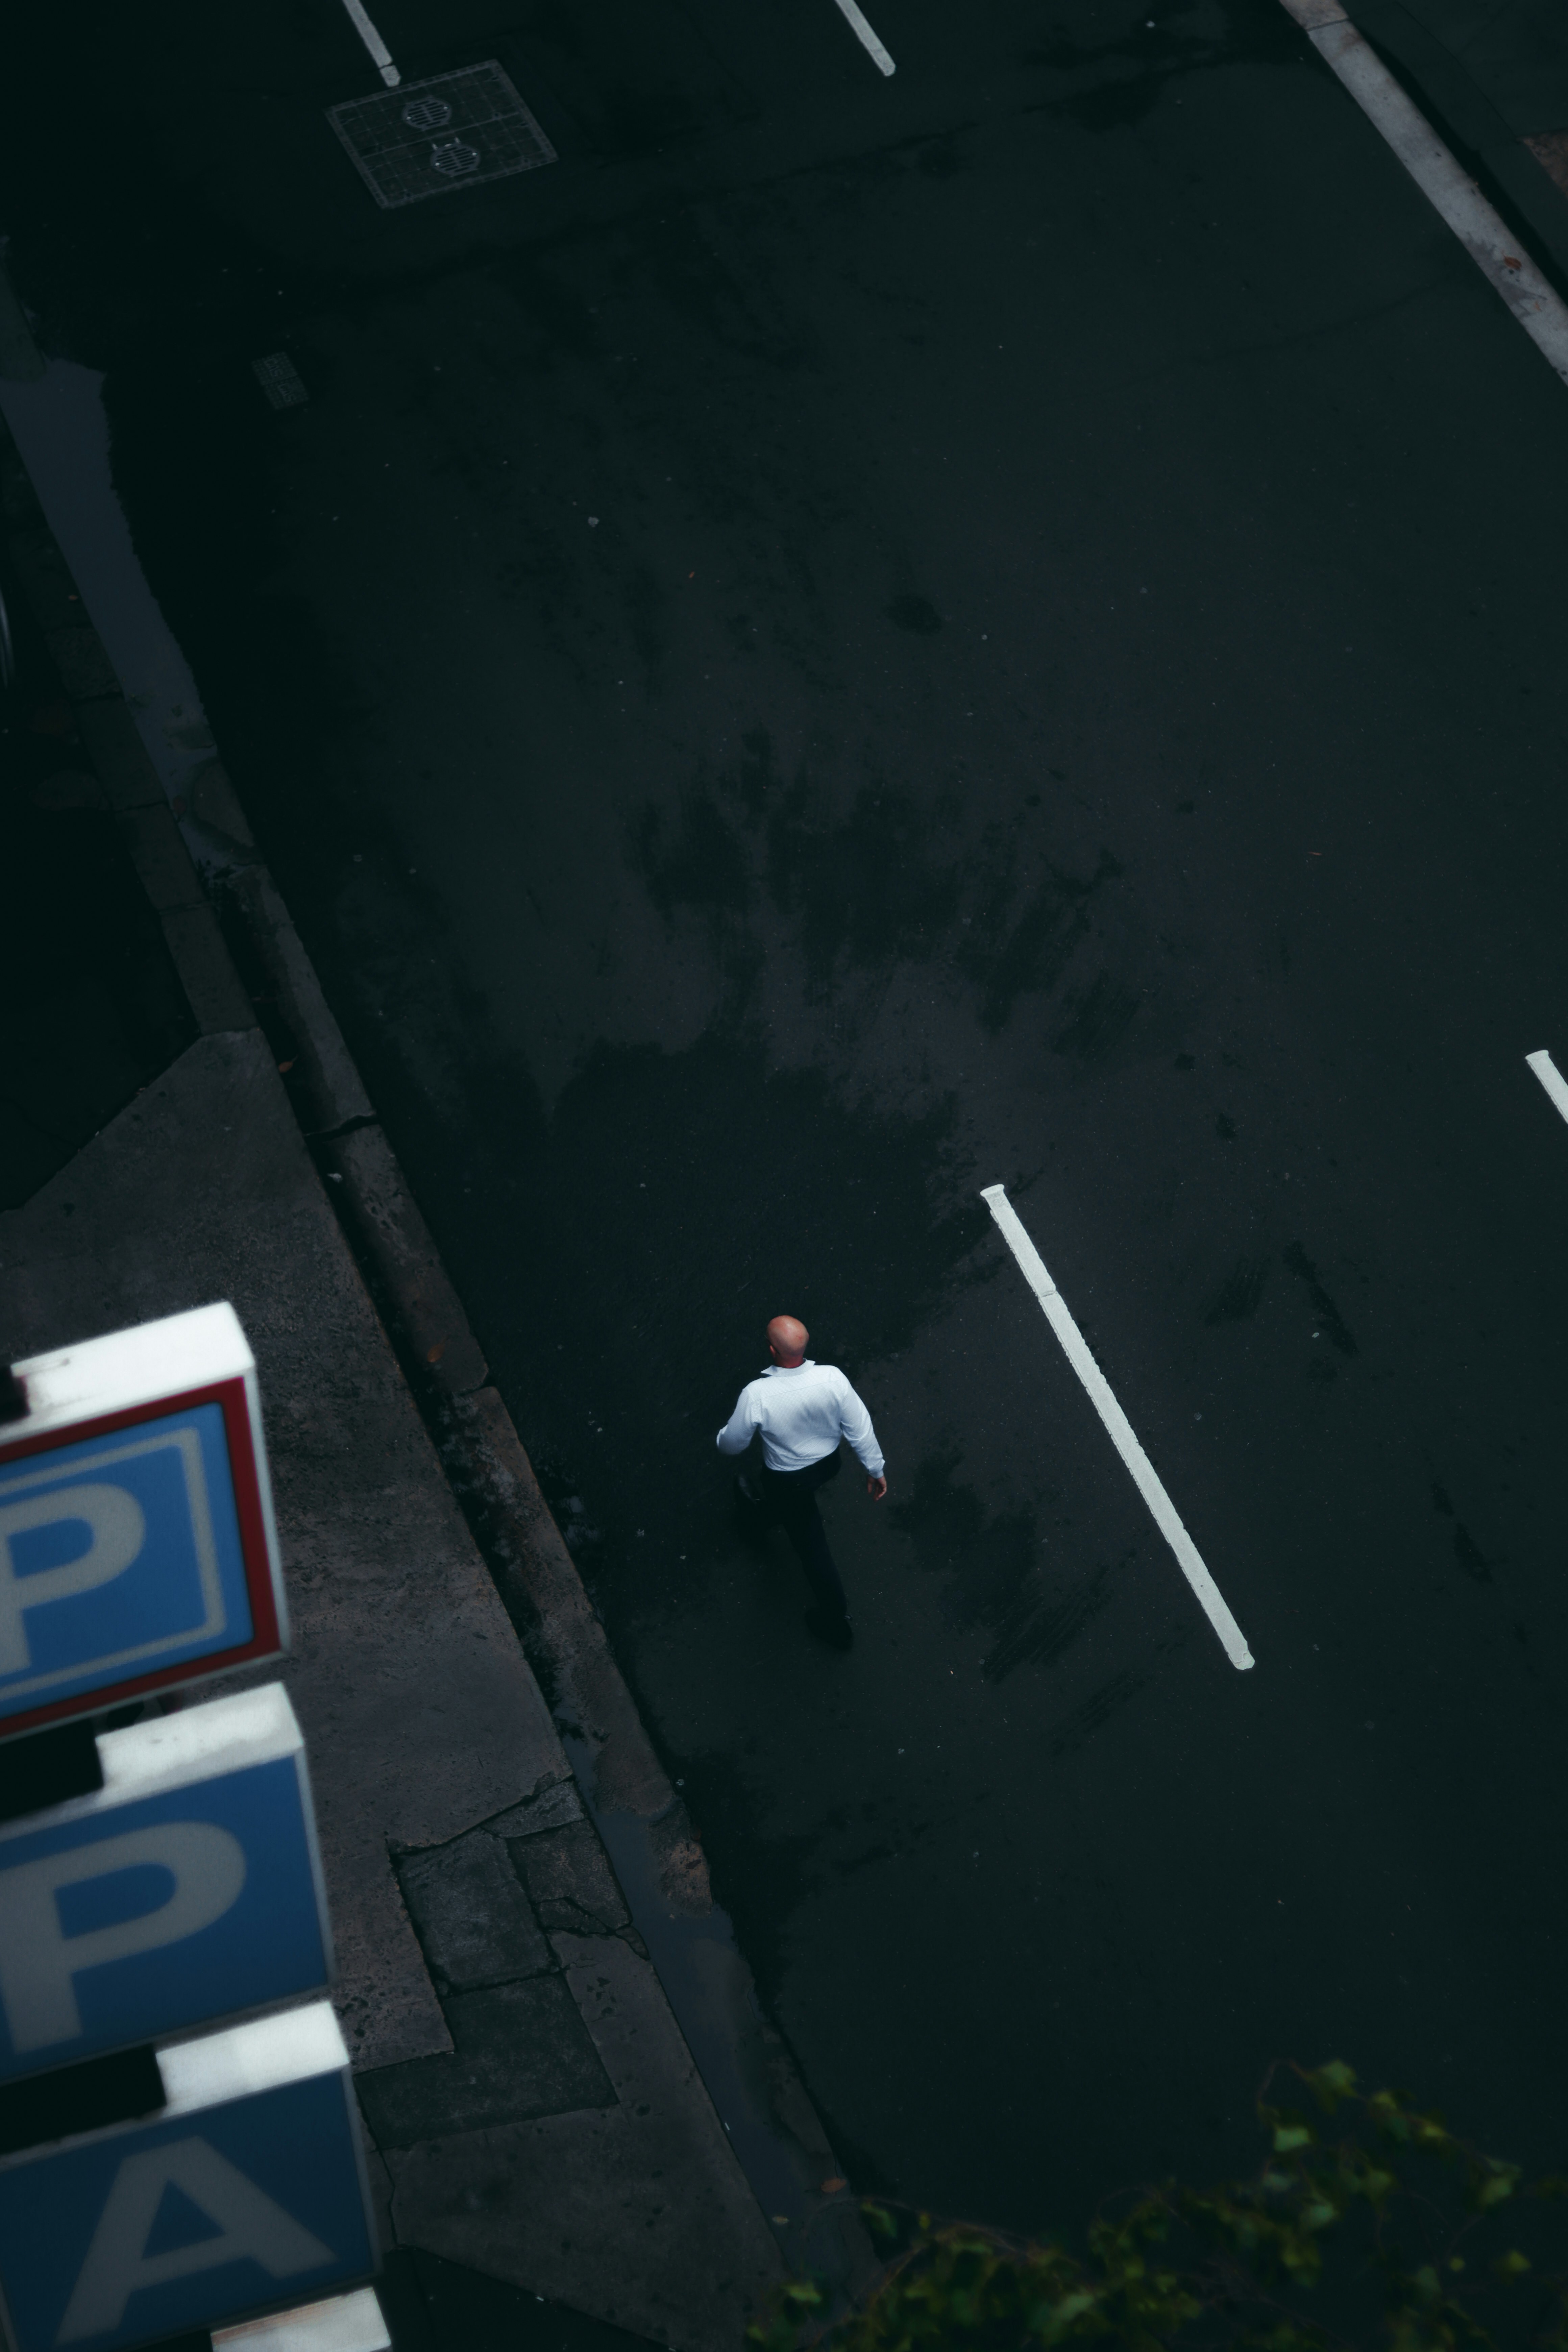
{"points": [[1395, 2231]]}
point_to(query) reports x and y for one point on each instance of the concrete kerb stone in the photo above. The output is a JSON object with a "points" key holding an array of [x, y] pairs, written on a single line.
{"points": [[161, 861], [207, 971], [408, 1267], [328, 1087], [118, 756]]}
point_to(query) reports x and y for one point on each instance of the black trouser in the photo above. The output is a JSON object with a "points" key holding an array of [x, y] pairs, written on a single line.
{"points": [[792, 1498]]}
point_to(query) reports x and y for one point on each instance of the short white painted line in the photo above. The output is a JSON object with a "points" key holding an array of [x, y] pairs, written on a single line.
{"points": [[374, 43], [1550, 1077], [1495, 250], [1076, 1349], [866, 37]]}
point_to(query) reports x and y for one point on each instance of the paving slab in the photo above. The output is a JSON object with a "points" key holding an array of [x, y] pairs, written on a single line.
{"points": [[520, 2050], [473, 1918], [516, 2203]]}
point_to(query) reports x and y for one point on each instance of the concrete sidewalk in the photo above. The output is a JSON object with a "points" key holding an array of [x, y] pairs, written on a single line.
{"points": [[538, 2113]]}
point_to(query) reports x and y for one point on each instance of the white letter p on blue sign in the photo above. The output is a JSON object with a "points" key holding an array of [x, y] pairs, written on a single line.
{"points": [[186, 1889], [117, 1528], [205, 1869]]}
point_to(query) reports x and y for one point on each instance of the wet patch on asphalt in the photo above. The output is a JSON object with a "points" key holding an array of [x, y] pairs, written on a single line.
{"points": [[986, 1559], [891, 877]]}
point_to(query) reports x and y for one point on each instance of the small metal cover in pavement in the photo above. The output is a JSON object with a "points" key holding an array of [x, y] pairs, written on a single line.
{"points": [[279, 380], [451, 131]]}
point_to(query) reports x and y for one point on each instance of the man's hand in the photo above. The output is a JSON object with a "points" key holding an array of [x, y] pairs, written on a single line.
{"points": [[876, 1487]]}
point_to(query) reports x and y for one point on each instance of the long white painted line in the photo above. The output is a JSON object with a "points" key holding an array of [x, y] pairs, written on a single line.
{"points": [[866, 37], [1145, 1477], [374, 43], [1550, 1077], [1495, 250]]}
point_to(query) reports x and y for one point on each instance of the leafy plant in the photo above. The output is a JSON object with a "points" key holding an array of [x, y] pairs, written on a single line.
{"points": [[1377, 2226]]}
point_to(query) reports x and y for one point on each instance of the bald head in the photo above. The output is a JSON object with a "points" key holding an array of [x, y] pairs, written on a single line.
{"points": [[787, 1338]]}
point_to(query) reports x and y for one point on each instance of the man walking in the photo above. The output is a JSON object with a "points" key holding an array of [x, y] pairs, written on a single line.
{"points": [[802, 1410]]}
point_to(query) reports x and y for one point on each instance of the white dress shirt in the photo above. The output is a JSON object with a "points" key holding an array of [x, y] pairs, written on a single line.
{"points": [[802, 1410]]}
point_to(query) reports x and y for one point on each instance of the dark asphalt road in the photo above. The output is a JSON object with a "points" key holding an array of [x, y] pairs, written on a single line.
{"points": [[849, 641]]}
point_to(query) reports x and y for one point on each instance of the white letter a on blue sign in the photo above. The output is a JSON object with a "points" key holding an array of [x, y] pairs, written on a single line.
{"points": [[251, 2228]]}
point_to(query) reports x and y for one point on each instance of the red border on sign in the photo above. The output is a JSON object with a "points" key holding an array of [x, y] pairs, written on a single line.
{"points": [[255, 1551]]}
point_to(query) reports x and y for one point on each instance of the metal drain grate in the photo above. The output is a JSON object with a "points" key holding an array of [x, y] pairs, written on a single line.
{"points": [[279, 380], [448, 132]]}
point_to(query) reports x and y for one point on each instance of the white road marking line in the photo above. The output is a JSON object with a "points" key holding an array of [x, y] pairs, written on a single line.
{"points": [[1550, 1077], [864, 35], [374, 43], [1076, 1349], [1495, 250]]}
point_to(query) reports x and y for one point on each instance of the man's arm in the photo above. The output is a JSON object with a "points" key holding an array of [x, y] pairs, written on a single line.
{"points": [[856, 1423], [740, 1427]]}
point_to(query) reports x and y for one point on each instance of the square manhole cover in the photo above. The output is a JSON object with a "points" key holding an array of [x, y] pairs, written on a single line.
{"points": [[447, 133], [279, 380]]}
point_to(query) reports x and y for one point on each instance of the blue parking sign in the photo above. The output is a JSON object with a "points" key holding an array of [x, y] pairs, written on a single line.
{"points": [[118, 1555], [246, 2193], [136, 1545], [187, 1889]]}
